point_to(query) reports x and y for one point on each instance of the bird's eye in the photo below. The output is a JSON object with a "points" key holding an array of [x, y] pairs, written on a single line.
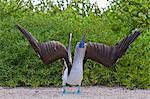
{"points": [[81, 45]]}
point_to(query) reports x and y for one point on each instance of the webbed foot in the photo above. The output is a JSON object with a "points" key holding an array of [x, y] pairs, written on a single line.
{"points": [[78, 90]]}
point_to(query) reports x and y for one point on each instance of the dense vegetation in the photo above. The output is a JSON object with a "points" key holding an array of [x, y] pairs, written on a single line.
{"points": [[20, 66]]}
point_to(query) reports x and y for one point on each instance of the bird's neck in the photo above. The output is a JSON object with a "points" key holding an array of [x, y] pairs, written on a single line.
{"points": [[78, 59]]}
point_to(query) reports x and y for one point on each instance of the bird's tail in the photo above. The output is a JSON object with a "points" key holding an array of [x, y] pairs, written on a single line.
{"points": [[122, 46], [34, 43]]}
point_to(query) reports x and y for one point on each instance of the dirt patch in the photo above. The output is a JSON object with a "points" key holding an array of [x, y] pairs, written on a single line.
{"points": [[95, 92]]}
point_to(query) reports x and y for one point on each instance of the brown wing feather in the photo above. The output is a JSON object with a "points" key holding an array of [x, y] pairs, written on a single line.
{"points": [[99, 52], [108, 55], [122, 46], [48, 51], [33, 42], [52, 51]]}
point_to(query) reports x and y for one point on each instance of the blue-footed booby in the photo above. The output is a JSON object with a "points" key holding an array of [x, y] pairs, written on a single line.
{"points": [[76, 73], [73, 72]]}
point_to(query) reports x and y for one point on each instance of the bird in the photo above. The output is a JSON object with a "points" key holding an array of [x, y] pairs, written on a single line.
{"points": [[76, 73], [51, 51], [104, 54]]}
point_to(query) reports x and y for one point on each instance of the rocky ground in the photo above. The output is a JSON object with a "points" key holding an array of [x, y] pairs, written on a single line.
{"points": [[96, 92]]}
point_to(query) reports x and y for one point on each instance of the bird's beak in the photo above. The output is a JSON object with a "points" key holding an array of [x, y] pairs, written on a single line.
{"points": [[83, 37], [82, 43]]}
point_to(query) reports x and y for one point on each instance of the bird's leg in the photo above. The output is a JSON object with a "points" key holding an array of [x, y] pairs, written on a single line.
{"points": [[78, 89]]}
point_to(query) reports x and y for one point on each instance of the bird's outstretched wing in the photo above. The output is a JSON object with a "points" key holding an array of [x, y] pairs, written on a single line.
{"points": [[48, 51], [108, 55], [69, 47]]}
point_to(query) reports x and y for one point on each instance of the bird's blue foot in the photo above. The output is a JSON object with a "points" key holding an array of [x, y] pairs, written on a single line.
{"points": [[64, 90], [78, 90]]}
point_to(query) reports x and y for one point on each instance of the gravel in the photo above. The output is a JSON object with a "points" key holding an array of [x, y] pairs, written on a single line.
{"points": [[94, 92]]}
